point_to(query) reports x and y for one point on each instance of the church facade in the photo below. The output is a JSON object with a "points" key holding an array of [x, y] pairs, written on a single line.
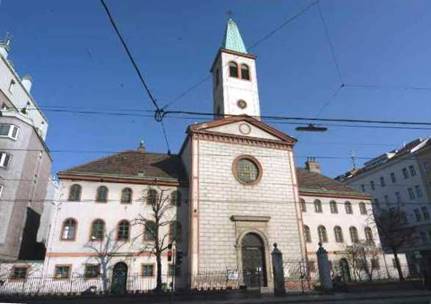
{"points": [[233, 191]]}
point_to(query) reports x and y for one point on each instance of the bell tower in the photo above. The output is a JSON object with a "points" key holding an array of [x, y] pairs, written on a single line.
{"points": [[235, 89]]}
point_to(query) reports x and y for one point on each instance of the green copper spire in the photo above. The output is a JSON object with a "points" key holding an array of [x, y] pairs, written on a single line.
{"points": [[232, 38]]}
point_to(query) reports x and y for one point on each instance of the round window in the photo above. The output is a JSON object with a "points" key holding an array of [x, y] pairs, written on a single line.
{"points": [[247, 170], [242, 104]]}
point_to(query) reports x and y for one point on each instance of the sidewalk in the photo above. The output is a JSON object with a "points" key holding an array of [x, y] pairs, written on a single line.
{"points": [[414, 296]]}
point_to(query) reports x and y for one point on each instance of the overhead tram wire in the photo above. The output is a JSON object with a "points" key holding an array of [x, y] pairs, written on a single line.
{"points": [[129, 54], [158, 113], [254, 45]]}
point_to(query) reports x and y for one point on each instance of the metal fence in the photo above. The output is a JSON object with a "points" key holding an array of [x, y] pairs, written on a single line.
{"points": [[79, 285], [296, 276]]}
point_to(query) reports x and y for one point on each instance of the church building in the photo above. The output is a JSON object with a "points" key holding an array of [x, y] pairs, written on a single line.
{"points": [[233, 189]]}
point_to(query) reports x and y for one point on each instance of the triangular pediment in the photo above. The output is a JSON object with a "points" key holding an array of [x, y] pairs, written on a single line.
{"points": [[243, 126]]}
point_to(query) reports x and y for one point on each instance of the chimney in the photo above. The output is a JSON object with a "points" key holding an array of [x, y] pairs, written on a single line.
{"points": [[27, 82], [141, 147], [311, 165], [5, 47]]}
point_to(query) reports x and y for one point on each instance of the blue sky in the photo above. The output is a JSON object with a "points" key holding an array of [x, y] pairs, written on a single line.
{"points": [[76, 61]]}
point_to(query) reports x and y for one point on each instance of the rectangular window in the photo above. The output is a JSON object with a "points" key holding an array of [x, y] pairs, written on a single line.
{"points": [[423, 236], [412, 170], [147, 270], [425, 213], [393, 178], [363, 187], [411, 193], [19, 273], [418, 191], [92, 271], [4, 159], [62, 272], [398, 197], [405, 173], [373, 187], [418, 215], [8, 130], [382, 181]]}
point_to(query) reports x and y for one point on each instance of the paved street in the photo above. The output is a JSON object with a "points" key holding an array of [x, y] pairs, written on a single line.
{"points": [[395, 297]]}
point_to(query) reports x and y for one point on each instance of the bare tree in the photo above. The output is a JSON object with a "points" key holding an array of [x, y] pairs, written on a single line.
{"points": [[105, 248], [160, 227], [395, 233], [362, 256]]}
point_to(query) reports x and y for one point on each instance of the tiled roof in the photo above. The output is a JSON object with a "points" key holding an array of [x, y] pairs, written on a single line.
{"points": [[232, 38], [311, 182], [133, 164]]}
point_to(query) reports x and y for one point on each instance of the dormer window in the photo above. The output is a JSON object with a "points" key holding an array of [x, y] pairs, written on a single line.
{"points": [[233, 69], [245, 72]]}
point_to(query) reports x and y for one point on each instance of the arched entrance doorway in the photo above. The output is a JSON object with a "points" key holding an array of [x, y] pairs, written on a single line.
{"points": [[253, 261], [345, 270], [119, 278]]}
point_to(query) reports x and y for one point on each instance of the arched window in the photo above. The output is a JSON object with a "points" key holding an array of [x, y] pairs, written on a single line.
{"points": [[307, 234], [176, 198], [233, 69], [123, 231], [102, 194], [68, 232], [303, 205], [126, 196], [321, 231], [362, 208], [333, 206], [97, 230], [338, 234], [354, 234], [152, 197], [318, 206], [368, 234], [348, 207], [150, 231], [175, 231], [75, 193], [245, 72]]}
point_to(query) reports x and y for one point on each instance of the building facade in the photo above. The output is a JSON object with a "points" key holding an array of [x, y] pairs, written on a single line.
{"points": [[25, 164], [401, 179], [232, 192]]}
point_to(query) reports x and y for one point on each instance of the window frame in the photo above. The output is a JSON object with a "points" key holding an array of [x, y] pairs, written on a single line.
{"points": [[176, 198], [338, 233], [354, 239], [69, 272], [92, 230], [153, 273], [348, 207], [303, 205], [318, 208], [247, 68], [233, 65], [412, 170], [152, 197], [252, 159], [369, 236], [322, 234], [10, 134], [99, 198], [64, 226], [307, 233], [12, 275], [130, 194], [393, 177], [145, 235], [86, 277], [122, 239], [363, 208], [333, 206], [70, 198], [5, 159]]}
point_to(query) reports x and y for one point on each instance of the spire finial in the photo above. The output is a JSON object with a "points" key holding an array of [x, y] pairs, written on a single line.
{"points": [[229, 14], [141, 146]]}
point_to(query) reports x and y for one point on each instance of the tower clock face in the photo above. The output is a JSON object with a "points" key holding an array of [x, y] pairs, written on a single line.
{"points": [[242, 104]]}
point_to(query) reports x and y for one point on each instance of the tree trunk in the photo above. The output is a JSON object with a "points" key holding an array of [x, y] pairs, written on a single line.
{"points": [[397, 264], [159, 271]]}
